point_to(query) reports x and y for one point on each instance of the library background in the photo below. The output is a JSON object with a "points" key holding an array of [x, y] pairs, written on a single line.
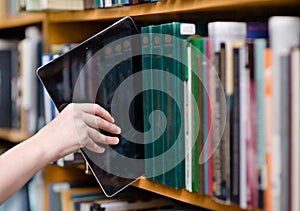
{"points": [[252, 46]]}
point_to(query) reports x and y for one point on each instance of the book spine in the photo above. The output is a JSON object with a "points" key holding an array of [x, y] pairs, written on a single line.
{"points": [[157, 102], [268, 128], [252, 200], [188, 124], [295, 125], [224, 142], [169, 64], [244, 95], [217, 159], [147, 99], [259, 48], [285, 145], [235, 131], [196, 43]]}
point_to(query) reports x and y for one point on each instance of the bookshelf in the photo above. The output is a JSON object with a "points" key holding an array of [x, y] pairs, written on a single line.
{"points": [[62, 27]]}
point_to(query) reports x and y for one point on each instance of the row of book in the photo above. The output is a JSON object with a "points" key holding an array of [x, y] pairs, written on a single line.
{"points": [[15, 6], [228, 125], [20, 98]]}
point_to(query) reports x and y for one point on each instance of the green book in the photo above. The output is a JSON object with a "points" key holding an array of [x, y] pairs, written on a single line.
{"points": [[147, 99], [196, 45], [157, 71]]}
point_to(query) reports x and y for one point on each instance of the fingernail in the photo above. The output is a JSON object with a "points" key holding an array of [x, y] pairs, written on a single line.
{"points": [[116, 140], [101, 149], [118, 129]]}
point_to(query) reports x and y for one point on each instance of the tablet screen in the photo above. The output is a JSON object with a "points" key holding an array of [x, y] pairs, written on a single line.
{"points": [[99, 71]]}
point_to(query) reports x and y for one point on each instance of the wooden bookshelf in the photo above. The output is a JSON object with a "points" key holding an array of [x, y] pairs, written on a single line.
{"points": [[164, 8], [21, 20], [75, 26], [185, 196]]}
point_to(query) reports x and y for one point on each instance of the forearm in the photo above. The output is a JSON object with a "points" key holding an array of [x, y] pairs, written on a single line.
{"points": [[72, 129], [19, 164]]}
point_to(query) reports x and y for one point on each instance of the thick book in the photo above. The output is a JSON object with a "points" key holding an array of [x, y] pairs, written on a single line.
{"points": [[9, 76], [147, 81], [158, 102], [284, 33], [5, 83], [295, 125], [196, 52]]}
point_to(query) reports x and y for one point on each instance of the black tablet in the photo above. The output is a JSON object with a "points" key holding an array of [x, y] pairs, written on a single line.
{"points": [[99, 70]]}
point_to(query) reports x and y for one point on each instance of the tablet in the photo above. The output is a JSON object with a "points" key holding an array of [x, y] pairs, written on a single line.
{"points": [[99, 70]]}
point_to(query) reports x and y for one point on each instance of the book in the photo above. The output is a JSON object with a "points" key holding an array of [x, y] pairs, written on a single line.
{"points": [[6, 66], [285, 131], [260, 45], [284, 33], [49, 107], [244, 104], [268, 127], [193, 120], [62, 4], [251, 176], [158, 102], [147, 99], [30, 61], [295, 132], [188, 123]]}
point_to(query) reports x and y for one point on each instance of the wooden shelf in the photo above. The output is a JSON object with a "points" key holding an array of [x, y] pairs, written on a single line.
{"points": [[12, 135], [139, 10], [185, 196], [162, 8], [22, 19]]}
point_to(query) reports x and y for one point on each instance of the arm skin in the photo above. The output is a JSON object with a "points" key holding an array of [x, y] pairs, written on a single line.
{"points": [[72, 129]]}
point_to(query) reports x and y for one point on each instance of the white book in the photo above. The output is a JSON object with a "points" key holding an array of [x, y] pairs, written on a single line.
{"points": [[284, 33], [295, 135], [188, 124], [62, 4], [29, 59], [244, 87]]}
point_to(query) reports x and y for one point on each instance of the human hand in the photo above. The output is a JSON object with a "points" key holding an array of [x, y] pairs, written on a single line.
{"points": [[77, 126]]}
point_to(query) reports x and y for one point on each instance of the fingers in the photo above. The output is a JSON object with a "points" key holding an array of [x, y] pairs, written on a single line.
{"points": [[97, 122], [98, 137], [95, 109], [92, 146]]}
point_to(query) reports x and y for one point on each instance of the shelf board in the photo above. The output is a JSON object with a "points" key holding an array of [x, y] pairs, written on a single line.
{"points": [[13, 135], [185, 196], [22, 19], [162, 8]]}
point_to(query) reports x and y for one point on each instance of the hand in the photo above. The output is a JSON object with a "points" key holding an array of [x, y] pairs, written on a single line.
{"points": [[76, 126]]}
